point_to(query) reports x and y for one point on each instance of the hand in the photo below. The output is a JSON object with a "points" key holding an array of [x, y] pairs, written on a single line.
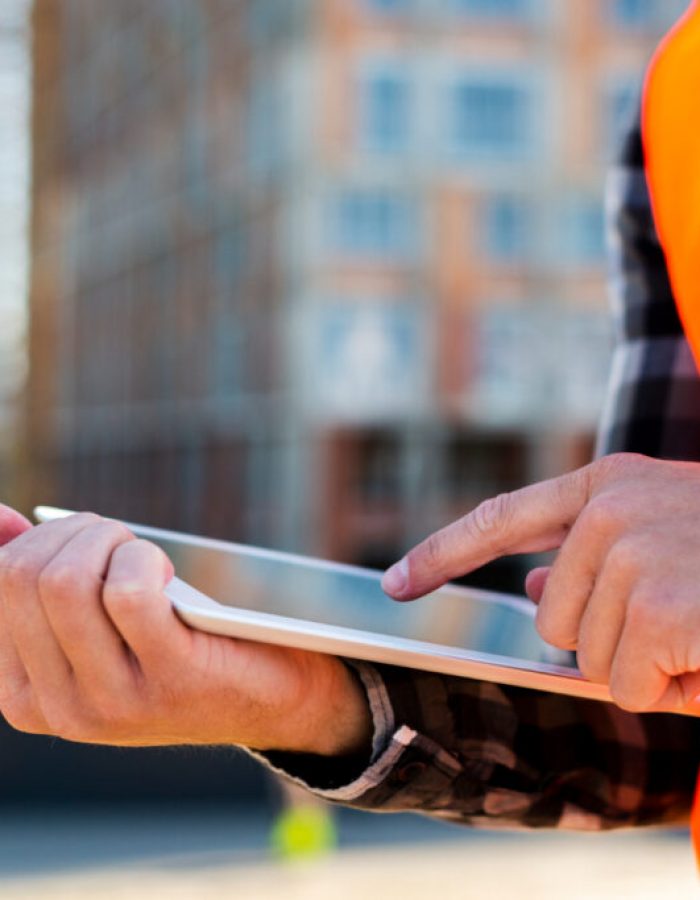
{"points": [[92, 651], [624, 590]]}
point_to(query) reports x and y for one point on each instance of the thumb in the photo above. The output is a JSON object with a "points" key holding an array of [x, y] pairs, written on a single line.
{"points": [[12, 524]]}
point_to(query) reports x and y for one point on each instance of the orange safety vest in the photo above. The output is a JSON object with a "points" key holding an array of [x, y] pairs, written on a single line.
{"points": [[671, 136]]}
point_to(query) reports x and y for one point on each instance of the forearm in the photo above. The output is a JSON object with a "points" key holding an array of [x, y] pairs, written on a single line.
{"points": [[336, 720]]}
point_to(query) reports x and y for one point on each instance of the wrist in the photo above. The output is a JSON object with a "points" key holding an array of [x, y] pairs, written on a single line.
{"points": [[339, 720]]}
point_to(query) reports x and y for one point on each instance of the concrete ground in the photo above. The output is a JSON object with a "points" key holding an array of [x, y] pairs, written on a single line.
{"points": [[186, 854]]}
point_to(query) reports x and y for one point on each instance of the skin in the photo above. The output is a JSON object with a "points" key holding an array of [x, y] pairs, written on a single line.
{"points": [[91, 651], [624, 589]]}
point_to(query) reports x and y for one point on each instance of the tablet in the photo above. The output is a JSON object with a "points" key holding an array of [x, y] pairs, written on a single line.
{"points": [[311, 604]]}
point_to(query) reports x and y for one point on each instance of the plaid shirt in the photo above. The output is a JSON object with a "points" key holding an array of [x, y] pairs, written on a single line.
{"points": [[497, 756]]}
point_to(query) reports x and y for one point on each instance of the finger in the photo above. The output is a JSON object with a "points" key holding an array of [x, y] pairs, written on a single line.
{"points": [[572, 579], [15, 690], [603, 619], [36, 545], [134, 600], [13, 676], [70, 589], [533, 519], [27, 626], [12, 524], [535, 582], [17, 702], [637, 682]]}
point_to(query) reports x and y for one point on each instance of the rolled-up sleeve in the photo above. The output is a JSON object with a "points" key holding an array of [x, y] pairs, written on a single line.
{"points": [[494, 756]]}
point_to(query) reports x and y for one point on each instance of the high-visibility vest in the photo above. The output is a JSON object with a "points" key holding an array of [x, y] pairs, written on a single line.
{"points": [[671, 136]]}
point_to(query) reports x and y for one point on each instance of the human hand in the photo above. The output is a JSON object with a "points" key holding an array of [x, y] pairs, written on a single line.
{"points": [[624, 590], [92, 651]]}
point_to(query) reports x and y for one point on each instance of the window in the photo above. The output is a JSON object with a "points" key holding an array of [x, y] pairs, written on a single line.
{"points": [[385, 111], [505, 228], [389, 6], [266, 125], [634, 13], [584, 364], [477, 466], [229, 258], [269, 19], [583, 230], [367, 359], [372, 223], [492, 9], [491, 117], [645, 14], [379, 467], [511, 366]]}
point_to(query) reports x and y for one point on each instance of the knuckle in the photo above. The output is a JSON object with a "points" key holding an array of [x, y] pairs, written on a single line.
{"points": [[602, 515], [59, 580], [19, 573], [65, 720], [625, 557], [432, 552], [19, 712], [106, 720], [644, 613], [84, 518], [491, 517], [616, 464], [117, 531], [551, 631], [589, 666]]}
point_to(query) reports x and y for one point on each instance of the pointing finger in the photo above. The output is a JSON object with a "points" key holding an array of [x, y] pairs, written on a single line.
{"points": [[533, 519]]}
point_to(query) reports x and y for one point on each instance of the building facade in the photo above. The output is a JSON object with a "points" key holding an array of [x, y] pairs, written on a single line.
{"points": [[320, 275], [14, 212]]}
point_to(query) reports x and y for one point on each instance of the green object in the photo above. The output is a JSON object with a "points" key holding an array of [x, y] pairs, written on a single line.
{"points": [[303, 831]]}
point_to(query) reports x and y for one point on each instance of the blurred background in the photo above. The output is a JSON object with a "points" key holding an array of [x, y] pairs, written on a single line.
{"points": [[311, 274]]}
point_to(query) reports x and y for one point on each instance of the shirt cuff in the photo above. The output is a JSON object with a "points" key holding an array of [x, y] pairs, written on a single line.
{"points": [[400, 756]]}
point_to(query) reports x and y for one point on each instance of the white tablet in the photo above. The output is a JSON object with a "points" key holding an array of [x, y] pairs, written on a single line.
{"points": [[297, 601]]}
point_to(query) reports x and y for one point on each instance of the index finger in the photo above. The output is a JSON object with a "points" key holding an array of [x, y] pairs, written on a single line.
{"points": [[531, 520]]}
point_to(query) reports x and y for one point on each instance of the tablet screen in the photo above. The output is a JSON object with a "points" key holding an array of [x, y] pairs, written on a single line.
{"points": [[345, 596]]}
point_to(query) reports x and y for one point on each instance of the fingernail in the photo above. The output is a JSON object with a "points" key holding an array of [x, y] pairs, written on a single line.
{"points": [[395, 579]]}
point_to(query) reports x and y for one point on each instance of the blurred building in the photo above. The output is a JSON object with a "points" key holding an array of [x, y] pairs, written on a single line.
{"points": [[14, 211], [320, 274]]}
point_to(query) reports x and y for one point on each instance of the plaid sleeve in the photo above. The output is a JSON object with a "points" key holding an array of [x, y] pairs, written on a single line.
{"points": [[500, 757], [490, 755], [653, 402]]}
